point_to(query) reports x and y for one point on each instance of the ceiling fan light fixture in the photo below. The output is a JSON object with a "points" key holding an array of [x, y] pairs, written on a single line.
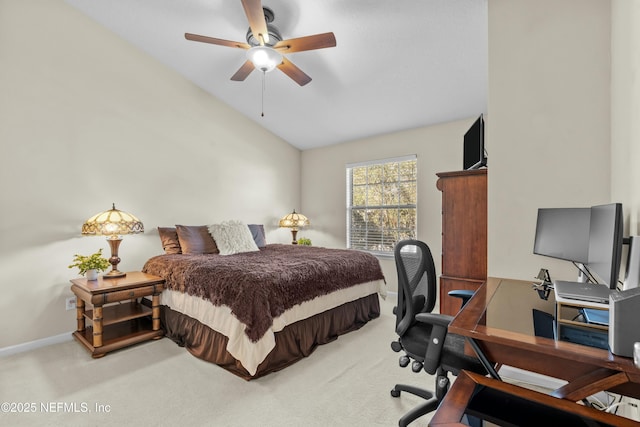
{"points": [[264, 58]]}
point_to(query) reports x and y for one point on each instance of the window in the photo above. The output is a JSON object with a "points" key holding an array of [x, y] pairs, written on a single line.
{"points": [[381, 204]]}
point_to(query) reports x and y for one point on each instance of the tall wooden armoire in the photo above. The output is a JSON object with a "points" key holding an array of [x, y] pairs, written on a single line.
{"points": [[464, 234]]}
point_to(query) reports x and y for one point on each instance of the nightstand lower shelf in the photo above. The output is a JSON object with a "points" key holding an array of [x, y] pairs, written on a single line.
{"points": [[121, 312], [118, 335]]}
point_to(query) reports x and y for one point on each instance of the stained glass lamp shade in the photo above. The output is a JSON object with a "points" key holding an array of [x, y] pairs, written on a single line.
{"points": [[112, 223], [294, 221]]}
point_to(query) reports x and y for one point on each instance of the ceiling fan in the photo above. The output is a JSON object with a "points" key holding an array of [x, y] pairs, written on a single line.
{"points": [[265, 47]]}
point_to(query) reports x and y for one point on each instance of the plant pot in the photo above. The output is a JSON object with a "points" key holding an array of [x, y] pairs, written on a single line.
{"points": [[92, 274]]}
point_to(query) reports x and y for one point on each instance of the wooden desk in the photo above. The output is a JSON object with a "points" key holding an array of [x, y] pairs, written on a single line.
{"points": [[503, 404], [495, 319]]}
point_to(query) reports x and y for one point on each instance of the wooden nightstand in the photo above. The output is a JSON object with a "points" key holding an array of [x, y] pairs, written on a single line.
{"points": [[124, 323]]}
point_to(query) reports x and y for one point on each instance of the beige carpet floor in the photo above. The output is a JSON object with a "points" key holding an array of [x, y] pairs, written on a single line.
{"points": [[344, 383]]}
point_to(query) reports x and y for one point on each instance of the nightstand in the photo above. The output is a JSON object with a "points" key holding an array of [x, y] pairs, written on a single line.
{"points": [[118, 318]]}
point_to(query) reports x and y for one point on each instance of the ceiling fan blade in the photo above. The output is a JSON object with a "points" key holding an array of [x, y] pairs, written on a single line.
{"points": [[257, 22], [296, 74], [318, 41], [243, 72], [213, 40]]}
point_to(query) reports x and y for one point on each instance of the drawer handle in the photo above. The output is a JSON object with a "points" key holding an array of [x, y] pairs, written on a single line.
{"points": [[132, 293]]}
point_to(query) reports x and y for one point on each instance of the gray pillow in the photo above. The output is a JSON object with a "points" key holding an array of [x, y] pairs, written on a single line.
{"points": [[257, 231]]}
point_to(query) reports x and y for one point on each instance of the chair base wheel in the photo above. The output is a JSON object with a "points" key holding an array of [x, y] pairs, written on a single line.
{"points": [[403, 361], [395, 393]]}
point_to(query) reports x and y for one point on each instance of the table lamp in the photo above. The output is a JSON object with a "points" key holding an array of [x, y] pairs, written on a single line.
{"points": [[112, 223], [293, 221]]}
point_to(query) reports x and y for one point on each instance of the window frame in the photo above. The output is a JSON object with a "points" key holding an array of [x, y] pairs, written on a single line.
{"points": [[350, 208]]}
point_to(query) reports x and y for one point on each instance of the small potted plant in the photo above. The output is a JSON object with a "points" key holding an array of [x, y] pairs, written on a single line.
{"points": [[90, 265], [304, 241]]}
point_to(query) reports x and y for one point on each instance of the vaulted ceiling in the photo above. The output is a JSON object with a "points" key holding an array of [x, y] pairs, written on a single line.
{"points": [[397, 65]]}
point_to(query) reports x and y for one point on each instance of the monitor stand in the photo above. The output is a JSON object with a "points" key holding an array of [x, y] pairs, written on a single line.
{"points": [[632, 270], [582, 278]]}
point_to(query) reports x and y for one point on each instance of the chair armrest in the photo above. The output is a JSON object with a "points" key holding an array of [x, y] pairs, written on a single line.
{"points": [[440, 323], [434, 319], [464, 294]]}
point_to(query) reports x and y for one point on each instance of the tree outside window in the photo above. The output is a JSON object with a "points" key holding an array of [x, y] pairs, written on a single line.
{"points": [[381, 204]]}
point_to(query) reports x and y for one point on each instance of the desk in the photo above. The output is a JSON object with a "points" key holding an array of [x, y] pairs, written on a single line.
{"points": [[498, 319], [506, 404]]}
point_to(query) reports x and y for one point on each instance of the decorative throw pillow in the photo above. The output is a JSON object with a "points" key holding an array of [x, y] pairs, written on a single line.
{"points": [[257, 231], [169, 239], [233, 237], [195, 239]]}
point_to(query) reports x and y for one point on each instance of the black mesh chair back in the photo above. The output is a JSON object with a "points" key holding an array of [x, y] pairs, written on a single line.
{"points": [[416, 282]]}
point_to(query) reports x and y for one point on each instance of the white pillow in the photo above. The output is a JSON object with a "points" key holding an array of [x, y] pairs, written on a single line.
{"points": [[233, 237]]}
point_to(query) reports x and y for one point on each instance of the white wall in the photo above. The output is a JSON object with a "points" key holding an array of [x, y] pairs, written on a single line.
{"points": [[438, 149], [625, 109], [549, 102], [87, 120]]}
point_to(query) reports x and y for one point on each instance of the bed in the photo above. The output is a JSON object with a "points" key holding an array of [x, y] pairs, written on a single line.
{"points": [[257, 311]]}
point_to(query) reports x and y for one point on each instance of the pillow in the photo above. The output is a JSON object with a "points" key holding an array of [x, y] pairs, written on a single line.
{"points": [[257, 231], [169, 239], [233, 237], [195, 239]]}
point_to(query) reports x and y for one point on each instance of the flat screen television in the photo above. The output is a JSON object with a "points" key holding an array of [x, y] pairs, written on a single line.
{"points": [[563, 233], [605, 243], [473, 153]]}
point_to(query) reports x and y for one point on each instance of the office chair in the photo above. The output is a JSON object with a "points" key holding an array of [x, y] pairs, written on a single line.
{"points": [[422, 334]]}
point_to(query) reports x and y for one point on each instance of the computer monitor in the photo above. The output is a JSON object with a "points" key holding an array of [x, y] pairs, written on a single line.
{"points": [[563, 233], [605, 243]]}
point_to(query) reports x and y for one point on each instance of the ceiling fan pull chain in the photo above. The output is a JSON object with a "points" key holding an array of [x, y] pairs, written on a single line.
{"points": [[264, 76]]}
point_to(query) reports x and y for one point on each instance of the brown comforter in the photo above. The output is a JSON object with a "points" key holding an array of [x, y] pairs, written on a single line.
{"points": [[259, 286]]}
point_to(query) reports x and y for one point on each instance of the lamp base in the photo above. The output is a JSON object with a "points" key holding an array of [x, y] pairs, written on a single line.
{"points": [[114, 243], [294, 232], [113, 274]]}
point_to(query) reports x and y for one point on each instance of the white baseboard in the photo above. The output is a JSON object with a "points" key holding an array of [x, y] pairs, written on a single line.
{"points": [[32, 345]]}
